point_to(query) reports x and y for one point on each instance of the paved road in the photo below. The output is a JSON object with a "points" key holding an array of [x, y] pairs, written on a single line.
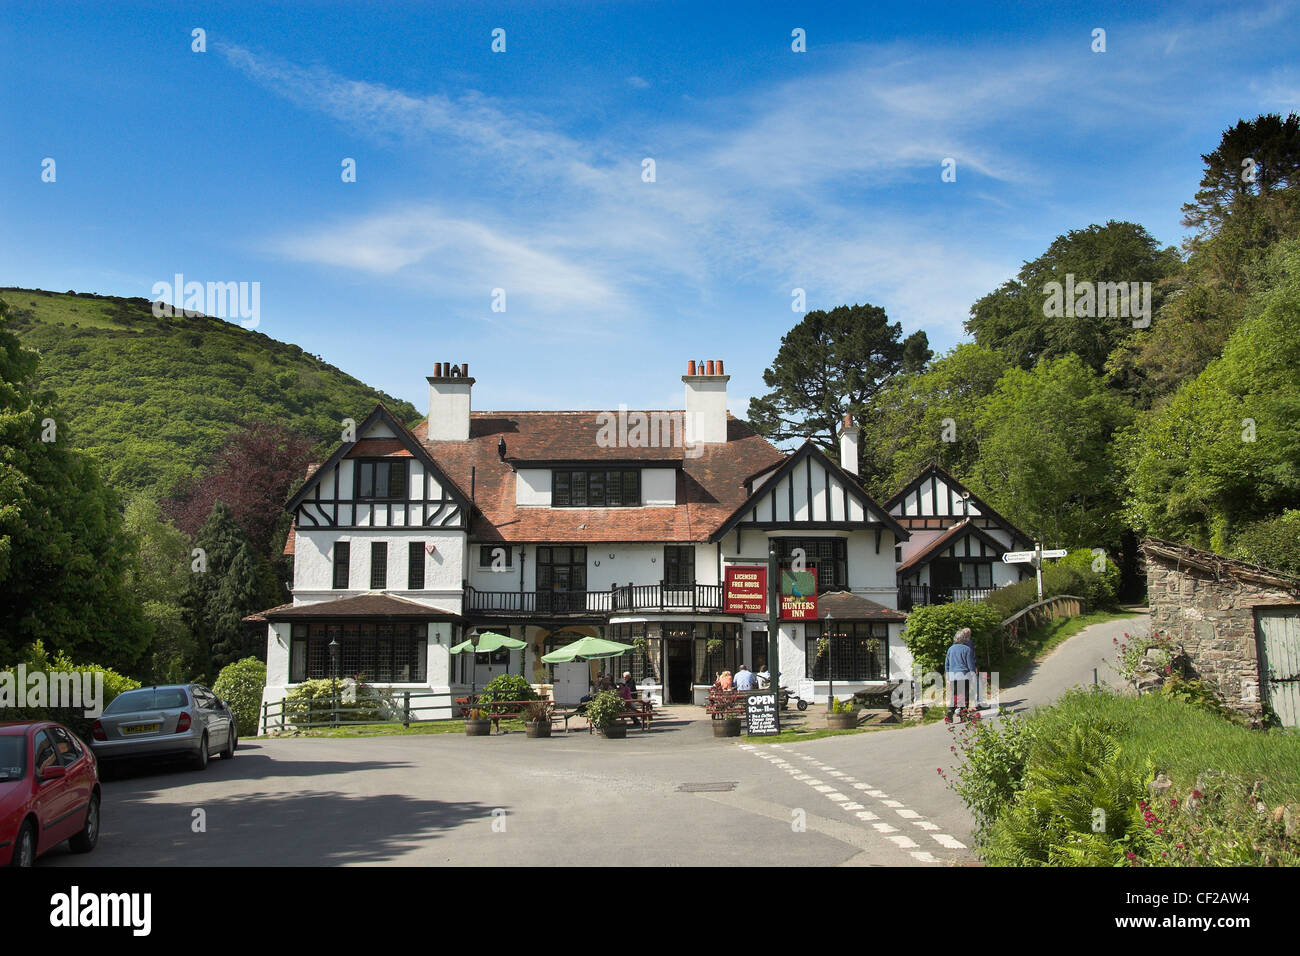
{"points": [[673, 797]]}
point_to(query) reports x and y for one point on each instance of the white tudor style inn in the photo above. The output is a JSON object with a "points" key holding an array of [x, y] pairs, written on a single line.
{"points": [[551, 526]]}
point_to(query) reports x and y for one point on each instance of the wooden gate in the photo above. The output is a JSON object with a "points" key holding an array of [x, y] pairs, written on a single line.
{"points": [[1277, 631]]}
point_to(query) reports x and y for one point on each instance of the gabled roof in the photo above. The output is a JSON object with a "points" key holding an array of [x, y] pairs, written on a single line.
{"points": [[934, 469], [850, 481], [406, 444], [709, 478], [948, 538]]}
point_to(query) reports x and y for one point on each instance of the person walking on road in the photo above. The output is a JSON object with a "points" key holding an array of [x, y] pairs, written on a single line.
{"points": [[960, 673]]}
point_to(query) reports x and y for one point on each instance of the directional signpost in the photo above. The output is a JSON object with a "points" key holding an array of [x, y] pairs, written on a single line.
{"points": [[1035, 558]]}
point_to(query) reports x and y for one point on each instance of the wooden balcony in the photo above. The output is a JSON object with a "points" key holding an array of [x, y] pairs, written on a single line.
{"points": [[619, 599]]}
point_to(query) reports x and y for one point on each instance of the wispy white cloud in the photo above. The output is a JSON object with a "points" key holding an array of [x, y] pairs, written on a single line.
{"points": [[794, 183]]}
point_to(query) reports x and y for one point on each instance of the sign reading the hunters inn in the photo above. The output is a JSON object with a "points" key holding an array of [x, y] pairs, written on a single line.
{"points": [[744, 590], [799, 595]]}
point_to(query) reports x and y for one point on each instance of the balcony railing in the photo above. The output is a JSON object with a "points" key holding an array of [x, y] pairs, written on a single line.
{"points": [[917, 595], [618, 599]]}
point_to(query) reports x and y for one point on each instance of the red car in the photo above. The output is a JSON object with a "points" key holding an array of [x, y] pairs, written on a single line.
{"points": [[49, 792]]}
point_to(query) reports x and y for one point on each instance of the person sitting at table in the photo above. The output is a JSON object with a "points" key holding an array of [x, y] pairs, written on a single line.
{"points": [[724, 681], [627, 690], [744, 678], [764, 677]]}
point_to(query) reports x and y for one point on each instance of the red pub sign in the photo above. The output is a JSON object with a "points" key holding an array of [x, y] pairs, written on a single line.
{"points": [[744, 589]]}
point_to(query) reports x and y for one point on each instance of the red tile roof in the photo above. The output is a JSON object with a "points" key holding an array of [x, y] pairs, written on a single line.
{"points": [[709, 487]]}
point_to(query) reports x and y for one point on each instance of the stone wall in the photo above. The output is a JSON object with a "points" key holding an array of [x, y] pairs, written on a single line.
{"points": [[1210, 612]]}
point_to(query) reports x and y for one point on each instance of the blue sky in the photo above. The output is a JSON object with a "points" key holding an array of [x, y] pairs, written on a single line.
{"points": [[522, 170]]}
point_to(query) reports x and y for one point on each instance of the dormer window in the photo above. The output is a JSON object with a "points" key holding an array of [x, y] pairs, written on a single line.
{"points": [[381, 479], [595, 488]]}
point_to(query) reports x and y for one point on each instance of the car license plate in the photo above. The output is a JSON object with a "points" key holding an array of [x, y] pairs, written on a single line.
{"points": [[139, 728]]}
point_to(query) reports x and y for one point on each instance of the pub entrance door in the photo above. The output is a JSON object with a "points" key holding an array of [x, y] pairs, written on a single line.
{"points": [[679, 671]]}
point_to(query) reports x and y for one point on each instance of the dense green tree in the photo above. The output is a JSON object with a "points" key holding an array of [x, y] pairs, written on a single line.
{"points": [[1044, 456], [1254, 159], [829, 364], [229, 583], [1225, 450], [64, 555], [159, 583], [930, 417], [1017, 319]]}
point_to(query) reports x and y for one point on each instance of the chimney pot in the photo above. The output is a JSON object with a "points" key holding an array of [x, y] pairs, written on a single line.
{"points": [[720, 372], [464, 370], [437, 370], [690, 367], [709, 366]]}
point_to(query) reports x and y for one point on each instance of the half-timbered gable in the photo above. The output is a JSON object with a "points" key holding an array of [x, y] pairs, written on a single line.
{"points": [[809, 492], [383, 479], [956, 544]]}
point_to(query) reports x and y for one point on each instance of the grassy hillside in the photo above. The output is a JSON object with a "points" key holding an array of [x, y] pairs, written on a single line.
{"points": [[152, 399]]}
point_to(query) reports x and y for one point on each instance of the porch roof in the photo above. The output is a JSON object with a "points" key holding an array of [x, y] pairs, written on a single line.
{"points": [[374, 605], [847, 606]]}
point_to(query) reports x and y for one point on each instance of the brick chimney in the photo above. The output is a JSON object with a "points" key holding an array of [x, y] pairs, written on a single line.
{"points": [[849, 445], [706, 402], [449, 388]]}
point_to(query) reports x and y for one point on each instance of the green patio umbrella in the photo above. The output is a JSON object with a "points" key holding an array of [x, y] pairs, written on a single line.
{"points": [[488, 641], [586, 649]]}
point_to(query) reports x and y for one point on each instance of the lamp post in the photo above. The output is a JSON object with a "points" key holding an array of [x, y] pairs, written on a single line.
{"points": [[473, 665], [334, 682], [830, 657]]}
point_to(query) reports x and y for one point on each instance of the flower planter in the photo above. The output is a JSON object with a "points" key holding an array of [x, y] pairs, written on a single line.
{"points": [[727, 727], [478, 728], [614, 731], [537, 728], [841, 721]]}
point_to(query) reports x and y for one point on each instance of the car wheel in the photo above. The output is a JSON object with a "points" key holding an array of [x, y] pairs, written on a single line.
{"points": [[85, 841], [25, 846], [201, 758], [229, 750]]}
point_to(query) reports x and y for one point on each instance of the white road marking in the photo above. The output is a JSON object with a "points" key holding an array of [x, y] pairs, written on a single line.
{"points": [[884, 828], [866, 815], [926, 824], [892, 804], [851, 806], [907, 814], [924, 856], [905, 842], [947, 842]]}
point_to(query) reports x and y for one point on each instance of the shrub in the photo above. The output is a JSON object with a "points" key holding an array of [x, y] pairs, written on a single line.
{"points": [[1073, 784], [36, 658], [993, 768], [1072, 574], [1273, 543], [507, 687], [311, 702], [929, 629], [240, 685], [604, 709]]}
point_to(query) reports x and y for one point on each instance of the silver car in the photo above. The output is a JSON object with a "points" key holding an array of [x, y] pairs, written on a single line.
{"points": [[185, 720]]}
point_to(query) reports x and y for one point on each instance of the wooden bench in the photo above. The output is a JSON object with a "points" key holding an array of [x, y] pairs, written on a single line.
{"points": [[725, 703]]}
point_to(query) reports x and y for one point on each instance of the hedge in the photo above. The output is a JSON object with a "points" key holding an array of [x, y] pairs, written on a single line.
{"points": [[240, 685], [37, 659]]}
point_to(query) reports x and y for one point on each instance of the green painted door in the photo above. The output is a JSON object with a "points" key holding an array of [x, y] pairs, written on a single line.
{"points": [[1278, 633]]}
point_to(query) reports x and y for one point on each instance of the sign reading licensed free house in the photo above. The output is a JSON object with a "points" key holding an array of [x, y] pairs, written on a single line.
{"points": [[744, 589]]}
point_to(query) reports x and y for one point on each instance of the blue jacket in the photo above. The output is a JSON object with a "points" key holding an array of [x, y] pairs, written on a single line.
{"points": [[960, 660]]}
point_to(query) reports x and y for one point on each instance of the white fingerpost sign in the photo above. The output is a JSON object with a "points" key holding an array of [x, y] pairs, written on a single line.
{"points": [[1035, 558]]}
